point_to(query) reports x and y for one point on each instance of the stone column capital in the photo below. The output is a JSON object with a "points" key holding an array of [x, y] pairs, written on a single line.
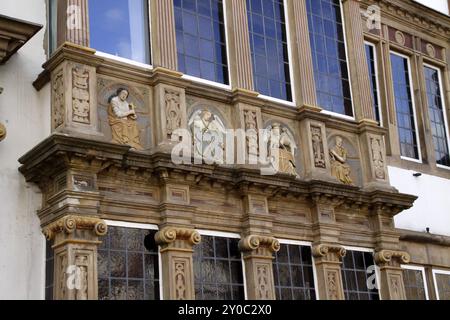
{"points": [[69, 224], [329, 252], [391, 258], [260, 245], [177, 238]]}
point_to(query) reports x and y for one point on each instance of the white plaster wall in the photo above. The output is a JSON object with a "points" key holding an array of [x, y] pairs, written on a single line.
{"points": [[439, 5], [431, 209], [26, 115]]}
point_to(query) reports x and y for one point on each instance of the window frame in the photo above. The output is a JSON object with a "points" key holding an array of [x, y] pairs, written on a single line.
{"points": [[424, 276], [438, 271], [377, 77], [142, 226], [147, 66], [413, 101], [344, 32], [305, 244], [210, 83], [229, 235], [377, 269], [444, 108]]}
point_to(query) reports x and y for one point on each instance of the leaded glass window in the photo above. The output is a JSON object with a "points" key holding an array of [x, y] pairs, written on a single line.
{"points": [[414, 284], [49, 271], [128, 265], [443, 285], [436, 110], [329, 55], [218, 269], [201, 40], [269, 48], [120, 28], [371, 62], [293, 273], [404, 106], [358, 276]]}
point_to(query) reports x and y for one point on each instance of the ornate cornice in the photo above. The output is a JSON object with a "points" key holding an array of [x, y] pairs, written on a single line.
{"points": [[169, 235], [388, 257], [254, 243], [14, 34], [69, 224]]}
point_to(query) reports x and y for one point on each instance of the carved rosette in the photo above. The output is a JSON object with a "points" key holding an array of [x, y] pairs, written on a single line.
{"points": [[392, 258], [69, 224], [180, 238], [259, 245], [329, 252]]}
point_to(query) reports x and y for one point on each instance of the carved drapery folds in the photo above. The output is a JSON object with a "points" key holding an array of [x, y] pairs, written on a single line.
{"points": [[339, 166], [258, 255], [176, 254], [328, 259], [251, 129], [75, 241], [378, 158], [391, 274], [318, 148]]}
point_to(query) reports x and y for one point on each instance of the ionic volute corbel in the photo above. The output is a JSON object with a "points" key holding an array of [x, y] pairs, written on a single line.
{"points": [[392, 258], [329, 252], [180, 238], [259, 245], [70, 224]]}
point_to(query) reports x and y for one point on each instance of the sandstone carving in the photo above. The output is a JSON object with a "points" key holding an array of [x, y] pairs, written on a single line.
{"points": [[251, 128], [282, 150], [122, 118], [180, 280], [318, 148], [339, 167], [80, 96], [173, 112], [58, 100], [377, 158]]}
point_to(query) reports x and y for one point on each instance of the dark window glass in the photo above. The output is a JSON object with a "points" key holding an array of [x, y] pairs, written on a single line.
{"points": [[414, 284], [370, 55], [201, 43], [128, 265], [293, 273], [52, 17], [218, 270], [404, 107], [326, 34], [269, 49], [437, 116], [443, 286], [120, 28], [49, 270], [358, 280]]}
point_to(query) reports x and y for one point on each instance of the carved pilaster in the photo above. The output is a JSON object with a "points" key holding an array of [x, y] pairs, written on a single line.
{"points": [[358, 67], [302, 63], [73, 22], [75, 256], [176, 255], [391, 275], [239, 45], [258, 255], [164, 50], [328, 259]]}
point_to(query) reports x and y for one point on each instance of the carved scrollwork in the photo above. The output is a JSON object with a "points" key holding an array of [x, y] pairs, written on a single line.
{"points": [[390, 256], [322, 250], [253, 243], [69, 224], [170, 235]]}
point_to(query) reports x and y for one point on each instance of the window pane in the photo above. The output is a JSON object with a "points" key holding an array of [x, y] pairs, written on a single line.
{"points": [[218, 270], [120, 28], [358, 280], [269, 49], [404, 107], [52, 17], [49, 271], [443, 286], [370, 56], [293, 273], [326, 34], [414, 284], [128, 265], [437, 116], [201, 42]]}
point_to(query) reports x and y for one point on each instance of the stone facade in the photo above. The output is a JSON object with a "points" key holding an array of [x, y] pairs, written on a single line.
{"points": [[334, 194]]}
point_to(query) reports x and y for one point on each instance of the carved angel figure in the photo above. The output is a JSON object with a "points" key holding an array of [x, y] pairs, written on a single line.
{"points": [[339, 167], [123, 120]]}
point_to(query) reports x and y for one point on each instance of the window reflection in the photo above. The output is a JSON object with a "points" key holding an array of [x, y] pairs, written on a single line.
{"points": [[404, 107], [201, 41], [370, 56], [269, 49], [120, 28], [326, 34], [414, 284], [355, 276], [437, 116]]}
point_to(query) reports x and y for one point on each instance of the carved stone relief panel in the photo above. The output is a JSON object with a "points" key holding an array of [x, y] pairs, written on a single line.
{"points": [[172, 100], [318, 147], [80, 95], [263, 282], [124, 113], [344, 158], [58, 100], [378, 157]]}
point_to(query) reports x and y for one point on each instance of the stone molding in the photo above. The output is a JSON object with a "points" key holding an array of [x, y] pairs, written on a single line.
{"points": [[258, 243], [70, 224], [329, 251], [169, 236]]}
